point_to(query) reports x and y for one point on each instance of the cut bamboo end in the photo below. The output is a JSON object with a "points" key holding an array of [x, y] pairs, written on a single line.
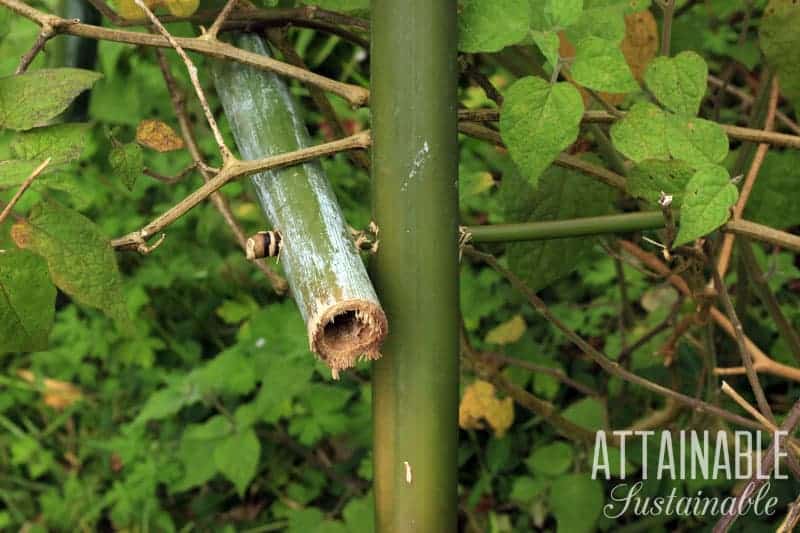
{"points": [[347, 332]]}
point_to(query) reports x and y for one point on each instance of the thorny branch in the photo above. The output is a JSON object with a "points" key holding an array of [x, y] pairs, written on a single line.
{"points": [[355, 95], [598, 357], [233, 170], [749, 181], [277, 281], [212, 122], [761, 361]]}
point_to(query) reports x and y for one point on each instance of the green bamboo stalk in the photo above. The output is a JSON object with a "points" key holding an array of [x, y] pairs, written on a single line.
{"points": [[415, 204], [560, 229], [325, 273]]}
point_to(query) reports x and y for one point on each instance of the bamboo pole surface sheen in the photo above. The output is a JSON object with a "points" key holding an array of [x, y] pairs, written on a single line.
{"points": [[415, 205], [326, 276]]}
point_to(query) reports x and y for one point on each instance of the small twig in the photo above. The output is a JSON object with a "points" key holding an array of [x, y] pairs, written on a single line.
{"points": [[540, 369], [761, 361], [47, 33], [668, 10], [564, 160], [747, 406], [763, 233], [747, 99], [733, 132], [665, 203], [22, 188], [212, 32], [355, 95], [792, 518], [170, 180], [279, 39], [224, 151], [752, 175], [760, 475], [767, 298], [658, 328], [238, 169]]}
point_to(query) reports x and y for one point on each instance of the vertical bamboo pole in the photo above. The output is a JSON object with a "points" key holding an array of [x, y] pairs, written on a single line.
{"points": [[415, 204]]}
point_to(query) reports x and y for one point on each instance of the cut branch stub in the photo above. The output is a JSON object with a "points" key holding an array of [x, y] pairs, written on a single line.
{"points": [[263, 244], [327, 278]]}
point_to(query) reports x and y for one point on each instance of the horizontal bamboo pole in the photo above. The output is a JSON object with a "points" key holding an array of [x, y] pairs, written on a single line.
{"points": [[624, 223], [560, 229]]}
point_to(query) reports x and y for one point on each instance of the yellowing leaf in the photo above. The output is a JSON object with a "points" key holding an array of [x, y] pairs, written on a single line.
{"points": [[182, 8], [128, 9], [640, 44], [56, 394], [508, 332], [158, 136], [479, 403], [79, 257]]}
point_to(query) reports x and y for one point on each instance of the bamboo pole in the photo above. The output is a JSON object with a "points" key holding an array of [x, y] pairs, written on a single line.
{"points": [[415, 204], [325, 273], [559, 229]]}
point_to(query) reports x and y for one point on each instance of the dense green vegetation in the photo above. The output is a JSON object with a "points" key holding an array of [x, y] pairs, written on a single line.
{"points": [[175, 391]]}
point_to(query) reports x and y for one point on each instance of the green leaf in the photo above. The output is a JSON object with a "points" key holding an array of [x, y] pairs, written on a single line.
{"points": [[696, 141], [14, 171], [600, 65], [162, 404], [780, 42], [548, 43], [706, 204], [678, 82], [127, 162], [576, 501], [538, 121], [525, 489], [604, 22], [230, 372], [563, 13], [237, 458], [561, 194], [359, 515], [79, 257], [61, 142], [551, 460], [198, 442], [773, 201], [589, 413], [27, 302], [34, 98], [642, 133], [651, 177], [491, 25]]}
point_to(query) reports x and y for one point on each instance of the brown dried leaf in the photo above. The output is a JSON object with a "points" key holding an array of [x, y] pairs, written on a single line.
{"points": [[479, 403], [56, 394], [640, 45], [158, 136]]}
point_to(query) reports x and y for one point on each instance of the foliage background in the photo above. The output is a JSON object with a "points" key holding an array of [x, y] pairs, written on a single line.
{"points": [[200, 407]]}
